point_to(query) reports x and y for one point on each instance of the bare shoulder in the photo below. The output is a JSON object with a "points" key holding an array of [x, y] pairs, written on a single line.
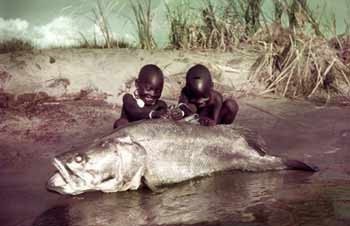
{"points": [[215, 95], [127, 97]]}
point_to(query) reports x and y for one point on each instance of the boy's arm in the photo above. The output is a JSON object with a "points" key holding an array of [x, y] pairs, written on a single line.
{"points": [[217, 105], [161, 106], [123, 120], [185, 106], [159, 109], [132, 110]]}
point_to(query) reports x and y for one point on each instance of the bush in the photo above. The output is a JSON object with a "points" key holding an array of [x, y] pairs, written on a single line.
{"points": [[15, 45]]}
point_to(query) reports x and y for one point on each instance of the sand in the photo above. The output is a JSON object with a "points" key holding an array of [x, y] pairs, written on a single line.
{"points": [[107, 74]]}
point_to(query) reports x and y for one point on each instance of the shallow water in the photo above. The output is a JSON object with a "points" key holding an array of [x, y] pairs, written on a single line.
{"points": [[318, 135]]}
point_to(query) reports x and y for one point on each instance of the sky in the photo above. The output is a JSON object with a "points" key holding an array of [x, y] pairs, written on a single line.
{"points": [[60, 22]]}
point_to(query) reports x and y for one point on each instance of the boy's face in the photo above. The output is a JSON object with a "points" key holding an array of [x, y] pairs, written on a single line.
{"points": [[199, 102], [150, 88], [199, 90]]}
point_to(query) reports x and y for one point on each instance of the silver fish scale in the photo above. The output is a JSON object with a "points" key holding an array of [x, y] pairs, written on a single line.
{"points": [[177, 152], [161, 152]]}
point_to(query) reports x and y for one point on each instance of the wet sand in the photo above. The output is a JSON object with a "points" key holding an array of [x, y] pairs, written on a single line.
{"points": [[318, 135]]}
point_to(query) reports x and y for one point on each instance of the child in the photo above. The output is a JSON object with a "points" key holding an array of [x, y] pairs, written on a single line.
{"points": [[199, 97], [145, 103]]}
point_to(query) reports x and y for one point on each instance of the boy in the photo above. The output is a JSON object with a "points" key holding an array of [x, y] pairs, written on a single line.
{"points": [[145, 103], [199, 97]]}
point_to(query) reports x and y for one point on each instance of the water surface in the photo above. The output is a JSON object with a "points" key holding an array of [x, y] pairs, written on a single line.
{"points": [[318, 135]]}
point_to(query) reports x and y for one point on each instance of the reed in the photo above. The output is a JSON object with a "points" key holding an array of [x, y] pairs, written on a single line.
{"points": [[179, 17], [100, 15], [295, 65], [209, 27], [143, 20]]}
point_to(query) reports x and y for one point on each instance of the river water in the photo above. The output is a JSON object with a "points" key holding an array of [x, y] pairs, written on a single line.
{"points": [[300, 130]]}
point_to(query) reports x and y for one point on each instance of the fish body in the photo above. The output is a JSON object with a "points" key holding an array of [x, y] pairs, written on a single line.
{"points": [[156, 153]]}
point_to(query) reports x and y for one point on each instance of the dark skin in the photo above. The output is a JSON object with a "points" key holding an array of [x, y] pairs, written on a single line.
{"points": [[149, 87], [199, 97]]}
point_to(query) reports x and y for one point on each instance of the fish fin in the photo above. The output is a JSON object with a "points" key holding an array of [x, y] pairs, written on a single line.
{"points": [[253, 139], [152, 187], [299, 165], [157, 190], [257, 147]]}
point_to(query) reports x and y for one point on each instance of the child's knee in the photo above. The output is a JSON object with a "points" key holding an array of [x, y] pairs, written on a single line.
{"points": [[231, 105]]}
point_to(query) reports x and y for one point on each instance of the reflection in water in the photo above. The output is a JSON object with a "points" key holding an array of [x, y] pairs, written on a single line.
{"points": [[240, 198], [58, 215]]}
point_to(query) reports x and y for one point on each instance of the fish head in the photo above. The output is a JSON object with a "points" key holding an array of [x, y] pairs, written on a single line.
{"points": [[85, 169]]}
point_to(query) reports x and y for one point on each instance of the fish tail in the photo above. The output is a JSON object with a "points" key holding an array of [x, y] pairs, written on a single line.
{"points": [[292, 164]]}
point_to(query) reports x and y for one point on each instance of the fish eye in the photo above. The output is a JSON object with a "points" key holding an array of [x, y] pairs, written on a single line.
{"points": [[105, 144], [78, 158]]}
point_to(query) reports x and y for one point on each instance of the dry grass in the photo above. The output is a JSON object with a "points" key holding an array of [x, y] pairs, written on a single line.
{"points": [[208, 27], [99, 15], [179, 18], [14, 45], [220, 27], [94, 44], [143, 21], [342, 45], [294, 65]]}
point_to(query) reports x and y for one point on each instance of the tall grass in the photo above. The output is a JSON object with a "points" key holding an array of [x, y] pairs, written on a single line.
{"points": [[224, 26], [278, 7], [252, 13], [296, 57], [299, 63], [299, 15], [209, 27], [100, 15], [99, 18], [143, 20], [179, 18], [301, 66]]}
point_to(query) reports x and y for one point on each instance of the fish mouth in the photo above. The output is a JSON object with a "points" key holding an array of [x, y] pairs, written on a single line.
{"points": [[63, 171], [62, 181]]}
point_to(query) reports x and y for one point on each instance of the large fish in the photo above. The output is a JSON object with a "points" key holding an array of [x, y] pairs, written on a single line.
{"points": [[159, 152]]}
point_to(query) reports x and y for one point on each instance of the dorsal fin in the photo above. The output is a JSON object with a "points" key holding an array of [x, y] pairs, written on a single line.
{"points": [[253, 139]]}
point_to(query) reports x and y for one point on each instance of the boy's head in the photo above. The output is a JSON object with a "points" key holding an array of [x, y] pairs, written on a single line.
{"points": [[199, 83], [149, 84]]}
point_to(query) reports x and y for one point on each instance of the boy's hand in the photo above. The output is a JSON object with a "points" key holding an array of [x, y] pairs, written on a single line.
{"points": [[158, 113], [205, 121], [176, 114], [188, 109]]}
